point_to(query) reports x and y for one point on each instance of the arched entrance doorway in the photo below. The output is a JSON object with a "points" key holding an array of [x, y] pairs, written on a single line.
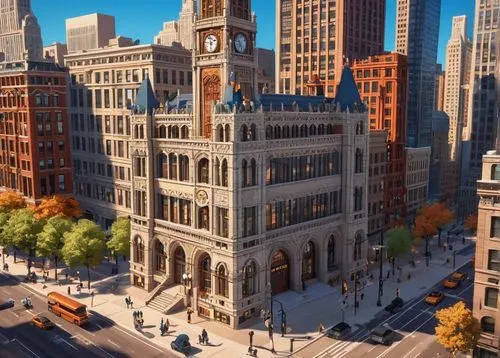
{"points": [[280, 272], [179, 264]]}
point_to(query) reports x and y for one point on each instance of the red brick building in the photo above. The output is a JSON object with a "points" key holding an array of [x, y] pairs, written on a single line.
{"points": [[35, 157], [382, 85]]}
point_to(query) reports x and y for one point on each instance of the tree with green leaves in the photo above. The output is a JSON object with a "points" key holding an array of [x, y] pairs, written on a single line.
{"points": [[23, 229], [5, 240], [399, 241], [51, 239], [120, 238], [84, 245]]}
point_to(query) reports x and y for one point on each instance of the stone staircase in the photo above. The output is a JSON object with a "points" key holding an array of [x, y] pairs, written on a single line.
{"points": [[162, 301]]}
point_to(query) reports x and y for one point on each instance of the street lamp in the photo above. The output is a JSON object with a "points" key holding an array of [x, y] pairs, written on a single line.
{"points": [[379, 249], [187, 278]]}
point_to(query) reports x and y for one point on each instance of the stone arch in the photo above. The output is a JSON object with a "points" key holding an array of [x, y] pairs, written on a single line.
{"points": [[277, 132], [185, 132], [309, 260], [222, 279], [280, 270], [162, 131], [175, 132], [219, 133], [250, 281], [203, 169], [269, 132], [312, 130], [227, 133], [138, 249], [159, 256], [177, 260], [295, 131], [224, 173], [204, 272], [303, 131], [244, 137], [286, 131], [253, 131], [162, 159]]}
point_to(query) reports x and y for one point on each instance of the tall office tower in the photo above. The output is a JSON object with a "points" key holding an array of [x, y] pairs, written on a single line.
{"points": [[439, 88], [266, 60], [458, 52], [417, 37], [221, 215], [382, 83], [89, 32], [20, 36], [35, 158], [315, 38], [55, 53], [179, 31], [480, 132], [168, 35], [104, 84]]}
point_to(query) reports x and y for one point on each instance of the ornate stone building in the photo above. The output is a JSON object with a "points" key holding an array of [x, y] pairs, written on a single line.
{"points": [[235, 199]]}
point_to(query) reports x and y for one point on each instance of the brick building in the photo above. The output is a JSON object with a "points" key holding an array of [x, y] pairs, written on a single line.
{"points": [[35, 155]]}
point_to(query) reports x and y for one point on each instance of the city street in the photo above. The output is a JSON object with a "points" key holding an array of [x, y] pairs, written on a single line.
{"points": [[99, 338], [414, 325]]}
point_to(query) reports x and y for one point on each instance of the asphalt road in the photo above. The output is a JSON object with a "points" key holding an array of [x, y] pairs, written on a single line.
{"points": [[99, 338], [414, 326]]}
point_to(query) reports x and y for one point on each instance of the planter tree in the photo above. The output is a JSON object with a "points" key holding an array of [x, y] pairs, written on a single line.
{"points": [[424, 229], [58, 205], [23, 229], [398, 243], [120, 238], [11, 200], [84, 245], [456, 329], [471, 223], [51, 239]]}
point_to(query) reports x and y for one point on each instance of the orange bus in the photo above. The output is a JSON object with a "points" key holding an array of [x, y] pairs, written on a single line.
{"points": [[67, 308]]}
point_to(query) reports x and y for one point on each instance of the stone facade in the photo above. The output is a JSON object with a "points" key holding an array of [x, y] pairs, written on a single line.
{"points": [[417, 179]]}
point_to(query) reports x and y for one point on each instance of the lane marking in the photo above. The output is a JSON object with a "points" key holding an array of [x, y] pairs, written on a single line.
{"points": [[5, 340], [102, 350], [410, 352], [24, 346], [69, 344], [372, 348], [15, 314], [417, 355], [113, 343]]}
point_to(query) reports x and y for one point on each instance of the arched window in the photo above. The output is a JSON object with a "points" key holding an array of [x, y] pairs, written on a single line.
{"points": [[295, 131], [269, 132], [221, 279], [184, 132], [253, 132], [244, 172], [358, 162], [329, 129], [160, 257], [249, 279], [224, 173], [217, 171], [162, 166], [253, 173], [358, 198], [331, 253], [162, 132], [303, 131], [203, 218], [141, 132], [183, 168], [205, 274], [227, 133], [172, 161], [175, 132], [321, 129], [286, 132], [308, 262], [219, 132], [312, 130], [136, 131], [336, 164], [359, 128], [488, 324], [138, 250], [203, 171], [357, 247], [244, 133], [277, 132]]}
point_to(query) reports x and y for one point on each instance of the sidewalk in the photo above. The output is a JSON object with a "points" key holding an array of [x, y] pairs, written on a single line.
{"points": [[322, 302]]}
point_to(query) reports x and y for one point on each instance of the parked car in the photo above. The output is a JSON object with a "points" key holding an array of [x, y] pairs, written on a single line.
{"points": [[7, 304], [383, 334], [458, 275], [434, 298], [340, 331], [181, 344], [42, 322], [395, 306], [450, 283]]}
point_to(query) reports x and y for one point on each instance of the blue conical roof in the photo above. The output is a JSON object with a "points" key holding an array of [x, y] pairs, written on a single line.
{"points": [[347, 92], [146, 99]]}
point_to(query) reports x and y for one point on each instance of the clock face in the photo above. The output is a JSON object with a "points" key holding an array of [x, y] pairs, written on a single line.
{"points": [[211, 43], [240, 43]]}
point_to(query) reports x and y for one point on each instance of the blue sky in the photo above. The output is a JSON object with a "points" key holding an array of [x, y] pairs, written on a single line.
{"points": [[142, 19]]}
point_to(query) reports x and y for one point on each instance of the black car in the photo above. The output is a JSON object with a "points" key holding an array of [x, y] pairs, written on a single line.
{"points": [[339, 331], [181, 344], [395, 305], [383, 334], [7, 304]]}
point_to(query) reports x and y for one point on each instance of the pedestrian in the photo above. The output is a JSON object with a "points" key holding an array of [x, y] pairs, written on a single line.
{"points": [[131, 303], [204, 336], [66, 277], [189, 315], [127, 302], [167, 325], [388, 274], [250, 334], [362, 296], [69, 291], [81, 285], [161, 323]]}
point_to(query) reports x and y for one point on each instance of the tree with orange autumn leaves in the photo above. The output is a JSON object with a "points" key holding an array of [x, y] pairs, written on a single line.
{"points": [[11, 200], [471, 223], [57, 205], [431, 220]]}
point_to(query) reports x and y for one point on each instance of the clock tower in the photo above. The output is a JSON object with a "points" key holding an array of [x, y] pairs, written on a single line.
{"points": [[224, 56]]}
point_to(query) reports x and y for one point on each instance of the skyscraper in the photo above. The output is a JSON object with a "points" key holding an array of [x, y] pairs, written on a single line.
{"points": [[439, 88], [314, 39], [417, 37], [479, 133], [179, 31], [89, 32], [20, 37]]}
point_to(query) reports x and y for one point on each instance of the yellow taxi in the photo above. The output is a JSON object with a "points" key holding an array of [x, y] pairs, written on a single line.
{"points": [[458, 276], [42, 322], [434, 298], [451, 283]]}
